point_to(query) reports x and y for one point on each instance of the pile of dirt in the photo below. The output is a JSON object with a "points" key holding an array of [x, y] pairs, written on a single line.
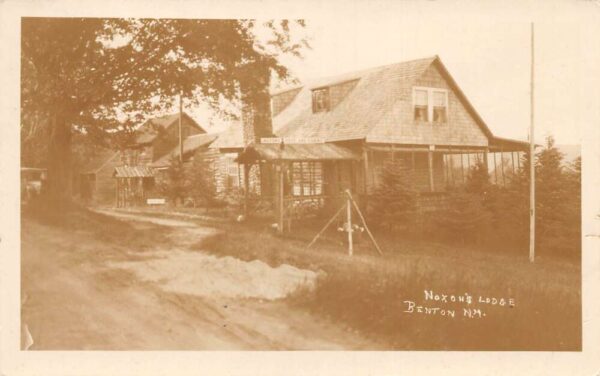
{"points": [[209, 276]]}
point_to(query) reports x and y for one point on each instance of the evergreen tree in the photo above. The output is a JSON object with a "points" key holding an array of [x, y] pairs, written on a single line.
{"points": [[466, 217], [393, 203], [201, 181]]}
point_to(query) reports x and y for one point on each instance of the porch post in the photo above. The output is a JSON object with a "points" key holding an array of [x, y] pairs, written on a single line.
{"points": [[281, 197], [246, 188], [512, 157], [485, 160], [495, 170], [502, 164], [366, 169], [462, 168], [430, 165]]}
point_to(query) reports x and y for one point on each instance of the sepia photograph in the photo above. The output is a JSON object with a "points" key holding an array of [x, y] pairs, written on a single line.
{"points": [[382, 182], [182, 189]]}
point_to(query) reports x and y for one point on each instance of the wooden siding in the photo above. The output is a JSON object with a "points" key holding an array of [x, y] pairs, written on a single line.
{"points": [[399, 126], [103, 192]]}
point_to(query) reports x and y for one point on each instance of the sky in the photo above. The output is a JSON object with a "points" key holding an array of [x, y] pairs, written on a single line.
{"points": [[489, 58]]}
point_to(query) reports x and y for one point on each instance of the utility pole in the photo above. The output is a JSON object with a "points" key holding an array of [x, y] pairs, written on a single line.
{"points": [[532, 164], [180, 127]]}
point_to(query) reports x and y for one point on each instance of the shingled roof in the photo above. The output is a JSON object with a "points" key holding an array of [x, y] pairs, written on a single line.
{"points": [[190, 144], [147, 131], [373, 96]]}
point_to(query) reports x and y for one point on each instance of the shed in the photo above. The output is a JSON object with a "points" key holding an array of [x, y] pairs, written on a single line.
{"points": [[133, 184]]}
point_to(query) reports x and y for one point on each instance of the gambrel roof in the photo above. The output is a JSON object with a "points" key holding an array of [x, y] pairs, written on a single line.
{"points": [[371, 95]]}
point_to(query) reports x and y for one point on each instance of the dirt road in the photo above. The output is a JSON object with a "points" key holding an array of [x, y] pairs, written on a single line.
{"points": [[78, 293]]}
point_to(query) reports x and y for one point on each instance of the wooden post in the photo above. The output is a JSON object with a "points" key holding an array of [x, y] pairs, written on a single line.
{"points": [[246, 188], [366, 170], [362, 218], [495, 169], [512, 157], [485, 161], [180, 127], [281, 198], [502, 164], [430, 167], [451, 167], [349, 224], [462, 168], [532, 163]]}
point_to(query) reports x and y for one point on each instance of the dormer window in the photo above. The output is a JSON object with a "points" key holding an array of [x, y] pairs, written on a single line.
{"points": [[430, 105], [320, 100]]}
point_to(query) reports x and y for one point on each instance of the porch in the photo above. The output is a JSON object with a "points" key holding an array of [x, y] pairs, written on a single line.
{"points": [[293, 181]]}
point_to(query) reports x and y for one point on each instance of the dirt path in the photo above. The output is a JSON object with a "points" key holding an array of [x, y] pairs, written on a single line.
{"points": [[78, 293]]}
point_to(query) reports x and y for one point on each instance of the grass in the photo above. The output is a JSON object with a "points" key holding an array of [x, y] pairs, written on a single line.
{"points": [[367, 292]]}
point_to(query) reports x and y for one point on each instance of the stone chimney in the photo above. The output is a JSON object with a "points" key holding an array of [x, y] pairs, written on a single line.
{"points": [[256, 103]]}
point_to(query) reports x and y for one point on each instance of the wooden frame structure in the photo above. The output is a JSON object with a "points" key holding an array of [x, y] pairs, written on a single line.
{"points": [[275, 165], [132, 185]]}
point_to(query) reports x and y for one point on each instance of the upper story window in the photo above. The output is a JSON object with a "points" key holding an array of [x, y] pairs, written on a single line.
{"points": [[430, 105], [320, 100]]}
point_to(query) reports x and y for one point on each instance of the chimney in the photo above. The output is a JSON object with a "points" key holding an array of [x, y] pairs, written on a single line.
{"points": [[256, 103]]}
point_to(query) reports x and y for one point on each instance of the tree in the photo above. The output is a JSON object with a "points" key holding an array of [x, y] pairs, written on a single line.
{"points": [[558, 209], [175, 187], [467, 216], [81, 74], [393, 203], [201, 183]]}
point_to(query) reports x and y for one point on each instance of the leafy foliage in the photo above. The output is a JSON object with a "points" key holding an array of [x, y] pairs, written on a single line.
{"points": [[99, 76]]}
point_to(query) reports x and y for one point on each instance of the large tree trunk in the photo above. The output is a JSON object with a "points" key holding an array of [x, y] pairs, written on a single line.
{"points": [[58, 187]]}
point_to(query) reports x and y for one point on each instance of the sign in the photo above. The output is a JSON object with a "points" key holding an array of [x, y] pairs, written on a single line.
{"points": [[155, 201], [304, 140], [292, 140], [270, 140]]}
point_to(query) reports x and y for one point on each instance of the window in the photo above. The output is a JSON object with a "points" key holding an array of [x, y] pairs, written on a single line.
{"points": [[421, 100], [439, 106], [307, 179], [430, 105], [320, 100]]}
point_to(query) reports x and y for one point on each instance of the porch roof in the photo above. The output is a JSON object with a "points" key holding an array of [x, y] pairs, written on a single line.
{"points": [[133, 172], [296, 152], [507, 144]]}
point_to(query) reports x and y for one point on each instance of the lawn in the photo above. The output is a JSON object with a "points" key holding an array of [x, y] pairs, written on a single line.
{"points": [[515, 305]]}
